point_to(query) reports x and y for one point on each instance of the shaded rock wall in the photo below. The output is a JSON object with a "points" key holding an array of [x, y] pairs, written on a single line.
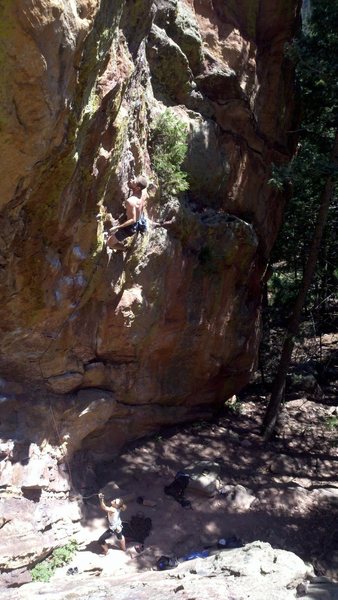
{"points": [[95, 353]]}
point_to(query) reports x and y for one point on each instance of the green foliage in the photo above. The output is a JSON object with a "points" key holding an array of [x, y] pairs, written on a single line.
{"points": [[168, 148], [233, 405], [283, 287], [331, 422], [280, 176], [44, 570], [314, 53], [63, 555], [198, 425], [317, 68]]}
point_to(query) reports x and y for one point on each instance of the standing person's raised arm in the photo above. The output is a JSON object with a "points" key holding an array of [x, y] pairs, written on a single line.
{"points": [[102, 504]]}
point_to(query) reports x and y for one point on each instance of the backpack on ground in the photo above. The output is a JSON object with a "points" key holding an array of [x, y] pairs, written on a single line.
{"points": [[138, 528]]}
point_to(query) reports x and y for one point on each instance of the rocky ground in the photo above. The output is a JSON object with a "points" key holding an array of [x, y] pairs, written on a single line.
{"points": [[283, 493], [254, 572]]}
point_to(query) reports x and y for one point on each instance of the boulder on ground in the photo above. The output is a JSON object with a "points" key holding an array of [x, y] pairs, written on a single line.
{"points": [[204, 477], [237, 497]]}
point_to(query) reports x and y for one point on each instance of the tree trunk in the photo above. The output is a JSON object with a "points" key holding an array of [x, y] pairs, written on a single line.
{"points": [[278, 385], [264, 347]]}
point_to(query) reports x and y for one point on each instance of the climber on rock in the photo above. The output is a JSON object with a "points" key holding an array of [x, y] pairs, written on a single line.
{"points": [[135, 205], [166, 224], [115, 524]]}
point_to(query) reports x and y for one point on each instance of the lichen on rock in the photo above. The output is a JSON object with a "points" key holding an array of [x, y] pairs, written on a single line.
{"points": [[170, 325]]}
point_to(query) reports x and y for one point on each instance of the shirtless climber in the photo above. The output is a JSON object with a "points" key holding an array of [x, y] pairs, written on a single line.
{"points": [[135, 205], [115, 523]]}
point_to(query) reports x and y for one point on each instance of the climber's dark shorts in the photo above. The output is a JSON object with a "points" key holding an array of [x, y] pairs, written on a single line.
{"points": [[107, 534], [125, 232]]}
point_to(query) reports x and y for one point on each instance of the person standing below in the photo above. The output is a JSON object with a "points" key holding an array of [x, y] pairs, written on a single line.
{"points": [[134, 208], [115, 524]]}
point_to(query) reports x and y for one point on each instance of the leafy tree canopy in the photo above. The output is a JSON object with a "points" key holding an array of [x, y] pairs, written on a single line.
{"points": [[315, 54]]}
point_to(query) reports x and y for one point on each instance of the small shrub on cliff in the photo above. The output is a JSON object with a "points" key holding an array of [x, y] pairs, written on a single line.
{"points": [[331, 422], [44, 570], [63, 555], [233, 405], [168, 148]]}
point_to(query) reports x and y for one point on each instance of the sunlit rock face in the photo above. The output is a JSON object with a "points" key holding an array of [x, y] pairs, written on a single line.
{"points": [[96, 353]]}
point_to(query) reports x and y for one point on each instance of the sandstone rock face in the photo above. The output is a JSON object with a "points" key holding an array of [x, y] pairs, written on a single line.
{"points": [[95, 353], [46, 524]]}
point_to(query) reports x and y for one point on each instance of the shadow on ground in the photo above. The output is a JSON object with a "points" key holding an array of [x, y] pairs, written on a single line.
{"points": [[287, 478]]}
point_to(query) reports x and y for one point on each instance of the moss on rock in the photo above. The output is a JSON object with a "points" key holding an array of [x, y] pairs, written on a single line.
{"points": [[168, 64], [184, 31]]}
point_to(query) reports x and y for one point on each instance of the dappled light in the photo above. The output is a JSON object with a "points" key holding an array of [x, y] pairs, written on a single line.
{"points": [[168, 358], [284, 500]]}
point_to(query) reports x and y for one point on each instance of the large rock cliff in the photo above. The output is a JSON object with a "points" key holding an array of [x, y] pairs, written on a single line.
{"points": [[95, 352]]}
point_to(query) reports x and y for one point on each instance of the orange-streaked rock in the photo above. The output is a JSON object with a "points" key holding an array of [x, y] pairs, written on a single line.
{"points": [[171, 325]]}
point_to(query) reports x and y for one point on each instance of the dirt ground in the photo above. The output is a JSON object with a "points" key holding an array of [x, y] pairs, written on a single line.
{"points": [[291, 478]]}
